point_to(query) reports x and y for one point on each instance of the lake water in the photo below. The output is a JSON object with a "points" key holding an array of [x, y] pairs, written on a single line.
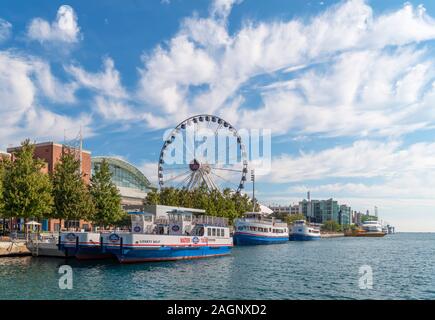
{"points": [[403, 267]]}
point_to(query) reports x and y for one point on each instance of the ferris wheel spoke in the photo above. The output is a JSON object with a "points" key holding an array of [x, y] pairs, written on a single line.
{"points": [[226, 180], [179, 168], [226, 169], [184, 181], [178, 176]]}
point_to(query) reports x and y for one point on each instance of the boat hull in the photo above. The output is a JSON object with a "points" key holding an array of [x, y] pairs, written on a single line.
{"points": [[370, 234], [365, 234], [149, 254], [303, 237], [85, 252], [241, 239]]}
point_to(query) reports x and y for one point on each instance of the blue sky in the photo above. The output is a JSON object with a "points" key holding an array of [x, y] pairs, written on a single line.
{"points": [[347, 88]]}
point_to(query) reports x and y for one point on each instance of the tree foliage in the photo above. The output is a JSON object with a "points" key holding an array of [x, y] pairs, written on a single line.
{"points": [[106, 198], [366, 217], [27, 191], [331, 226], [71, 195], [2, 172], [216, 203], [291, 218]]}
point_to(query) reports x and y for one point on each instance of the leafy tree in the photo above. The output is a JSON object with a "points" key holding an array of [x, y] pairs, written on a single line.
{"points": [[106, 197], [72, 199], [331, 226], [153, 197], [27, 190], [216, 203], [365, 218], [2, 171], [291, 218]]}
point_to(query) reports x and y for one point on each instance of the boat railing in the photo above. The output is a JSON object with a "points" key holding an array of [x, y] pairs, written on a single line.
{"points": [[211, 220], [161, 220], [267, 221]]}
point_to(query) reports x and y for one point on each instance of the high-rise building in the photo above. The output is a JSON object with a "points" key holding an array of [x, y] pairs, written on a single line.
{"points": [[330, 210], [345, 215]]}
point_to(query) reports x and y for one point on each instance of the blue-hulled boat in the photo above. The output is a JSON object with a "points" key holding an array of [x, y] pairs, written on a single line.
{"points": [[255, 229], [301, 231]]}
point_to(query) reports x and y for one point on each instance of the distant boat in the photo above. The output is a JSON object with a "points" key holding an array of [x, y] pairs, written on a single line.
{"points": [[254, 229], [301, 231], [368, 229]]}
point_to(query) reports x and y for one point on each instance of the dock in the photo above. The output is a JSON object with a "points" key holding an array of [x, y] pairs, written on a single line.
{"points": [[332, 235], [10, 248]]}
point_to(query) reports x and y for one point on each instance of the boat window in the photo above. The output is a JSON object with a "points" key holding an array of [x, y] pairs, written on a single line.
{"points": [[213, 232], [148, 218], [188, 218], [209, 231]]}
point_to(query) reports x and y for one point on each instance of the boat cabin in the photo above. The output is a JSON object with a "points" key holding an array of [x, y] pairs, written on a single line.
{"points": [[180, 222], [142, 222], [204, 230]]}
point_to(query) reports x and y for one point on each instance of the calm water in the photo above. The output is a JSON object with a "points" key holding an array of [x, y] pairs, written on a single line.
{"points": [[403, 268]]}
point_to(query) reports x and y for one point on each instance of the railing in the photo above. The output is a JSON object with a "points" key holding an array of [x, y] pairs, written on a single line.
{"points": [[211, 220], [215, 221], [266, 221]]}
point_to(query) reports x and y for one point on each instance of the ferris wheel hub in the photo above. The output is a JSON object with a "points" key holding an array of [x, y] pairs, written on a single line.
{"points": [[194, 165]]}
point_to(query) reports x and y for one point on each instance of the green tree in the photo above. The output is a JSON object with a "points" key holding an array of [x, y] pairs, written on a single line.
{"points": [[106, 197], [331, 226], [153, 197], [2, 171], [72, 199], [27, 190], [366, 217], [291, 218], [225, 203], [2, 213]]}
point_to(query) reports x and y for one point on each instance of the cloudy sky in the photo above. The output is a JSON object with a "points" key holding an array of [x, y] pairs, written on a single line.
{"points": [[347, 87]]}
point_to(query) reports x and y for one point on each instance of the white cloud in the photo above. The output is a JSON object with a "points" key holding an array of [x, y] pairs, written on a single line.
{"points": [[204, 69], [107, 82], [5, 30], [24, 82], [362, 159], [114, 109], [373, 93], [149, 169], [222, 8], [63, 29]]}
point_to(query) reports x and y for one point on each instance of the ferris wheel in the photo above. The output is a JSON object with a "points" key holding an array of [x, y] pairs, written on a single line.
{"points": [[203, 150]]}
